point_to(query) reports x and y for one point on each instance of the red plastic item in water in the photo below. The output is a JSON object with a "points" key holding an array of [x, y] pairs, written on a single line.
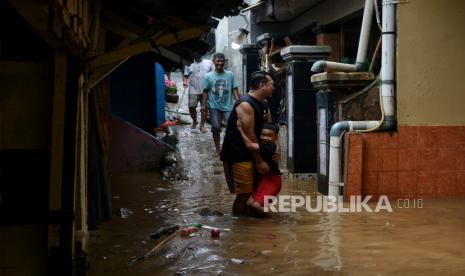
{"points": [[167, 124], [215, 233], [187, 231]]}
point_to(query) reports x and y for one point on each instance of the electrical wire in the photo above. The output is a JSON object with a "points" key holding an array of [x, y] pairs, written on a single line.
{"points": [[381, 121], [375, 54], [378, 21]]}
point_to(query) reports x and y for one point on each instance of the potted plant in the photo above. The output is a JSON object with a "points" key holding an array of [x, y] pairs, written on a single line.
{"points": [[171, 95]]}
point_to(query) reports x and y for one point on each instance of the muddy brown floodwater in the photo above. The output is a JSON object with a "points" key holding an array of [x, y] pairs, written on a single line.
{"points": [[420, 241]]}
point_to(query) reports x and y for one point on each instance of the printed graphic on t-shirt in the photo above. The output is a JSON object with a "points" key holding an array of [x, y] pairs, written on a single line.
{"points": [[197, 72], [221, 88]]}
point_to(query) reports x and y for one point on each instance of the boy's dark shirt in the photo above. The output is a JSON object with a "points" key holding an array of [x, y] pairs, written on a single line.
{"points": [[267, 150]]}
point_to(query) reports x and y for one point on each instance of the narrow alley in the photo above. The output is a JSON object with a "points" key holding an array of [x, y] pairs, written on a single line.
{"points": [[422, 241], [103, 171]]}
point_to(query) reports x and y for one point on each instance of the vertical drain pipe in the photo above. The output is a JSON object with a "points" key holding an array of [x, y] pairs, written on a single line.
{"points": [[388, 59], [387, 101], [364, 34], [323, 65]]}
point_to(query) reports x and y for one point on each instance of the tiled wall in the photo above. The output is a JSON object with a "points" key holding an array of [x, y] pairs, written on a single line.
{"points": [[415, 162]]}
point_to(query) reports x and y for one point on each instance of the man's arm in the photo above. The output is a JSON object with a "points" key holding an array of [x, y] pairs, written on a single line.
{"points": [[204, 100], [236, 93], [245, 115], [235, 90], [185, 81], [249, 144], [277, 154], [185, 76], [206, 89]]}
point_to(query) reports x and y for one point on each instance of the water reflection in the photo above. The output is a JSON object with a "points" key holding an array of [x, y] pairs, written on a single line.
{"points": [[422, 241], [329, 256]]}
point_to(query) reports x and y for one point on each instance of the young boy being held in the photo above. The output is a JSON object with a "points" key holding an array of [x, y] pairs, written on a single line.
{"points": [[269, 184]]}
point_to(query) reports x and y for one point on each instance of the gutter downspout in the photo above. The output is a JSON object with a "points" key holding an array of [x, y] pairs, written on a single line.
{"points": [[323, 65], [387, 103]]}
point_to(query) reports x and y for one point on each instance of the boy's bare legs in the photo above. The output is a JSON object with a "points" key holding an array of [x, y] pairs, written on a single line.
{"points": [[258, 208]]}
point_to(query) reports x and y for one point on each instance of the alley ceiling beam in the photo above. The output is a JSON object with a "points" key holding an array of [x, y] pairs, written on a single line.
{"points": [[107, 69], [167, 53], [101, 73], [142, 47]]}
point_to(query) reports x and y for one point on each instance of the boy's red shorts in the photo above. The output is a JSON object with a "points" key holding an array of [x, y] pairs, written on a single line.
{"points": [[269, 184]]}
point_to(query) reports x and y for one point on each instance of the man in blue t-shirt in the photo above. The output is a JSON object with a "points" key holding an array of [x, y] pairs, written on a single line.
{"points": [[219, 88]]}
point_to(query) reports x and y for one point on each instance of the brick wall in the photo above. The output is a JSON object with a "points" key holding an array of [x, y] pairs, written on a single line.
{"points": [[333, 40], [415, 162]]}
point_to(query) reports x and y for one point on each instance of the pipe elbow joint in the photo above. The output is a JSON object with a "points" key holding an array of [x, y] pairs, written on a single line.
{"points": [[389, 123], [318, 66], [358, 66], [338, 128]]}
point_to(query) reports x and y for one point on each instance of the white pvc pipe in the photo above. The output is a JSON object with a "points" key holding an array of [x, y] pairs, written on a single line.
{"points": [[365, 32], [329, 66], [387, 93], [334, 177], [388, 57], [335, 153]]}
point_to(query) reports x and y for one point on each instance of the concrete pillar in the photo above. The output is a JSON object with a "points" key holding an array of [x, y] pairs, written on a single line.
{"points": [[301, 106], [250, 63], [335, 91]]}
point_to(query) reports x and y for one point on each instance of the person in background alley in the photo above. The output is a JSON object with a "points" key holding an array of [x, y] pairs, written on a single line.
{"points": [[269, 184], [240, 164], [219, 88], [193, 78]]}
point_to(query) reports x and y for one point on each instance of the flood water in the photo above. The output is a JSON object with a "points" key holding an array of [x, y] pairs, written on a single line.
{"points": [[413, 241], [421, 241]]}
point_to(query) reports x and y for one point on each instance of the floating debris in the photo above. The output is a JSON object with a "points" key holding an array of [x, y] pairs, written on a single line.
{"points": [[237, 261], [164, 231], [215, 233], [124, 213]]}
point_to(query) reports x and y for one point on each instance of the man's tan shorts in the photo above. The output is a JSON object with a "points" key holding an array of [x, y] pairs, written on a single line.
{"points": [[239, 176]]}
